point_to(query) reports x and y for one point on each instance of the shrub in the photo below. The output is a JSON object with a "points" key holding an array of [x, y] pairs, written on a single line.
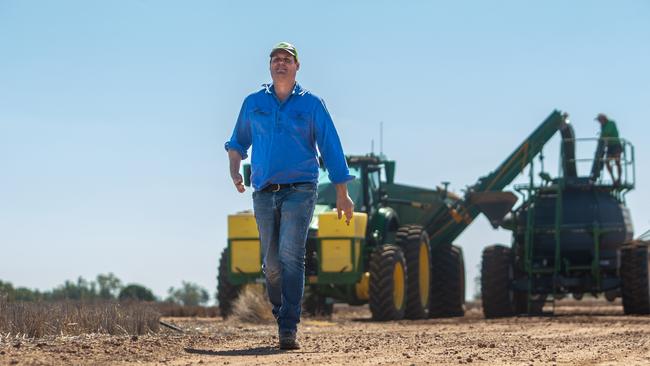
{"points": [[136, 292], [252, 306]]}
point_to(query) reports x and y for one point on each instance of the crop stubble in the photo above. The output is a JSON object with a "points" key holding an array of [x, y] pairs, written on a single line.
{"points": [[583, 333]]}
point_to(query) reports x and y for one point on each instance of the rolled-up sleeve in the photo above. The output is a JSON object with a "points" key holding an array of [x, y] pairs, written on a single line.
{"points": [[329, 145], [240, 140]]}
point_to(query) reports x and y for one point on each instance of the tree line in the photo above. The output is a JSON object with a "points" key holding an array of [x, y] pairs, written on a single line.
{"points": [[106, 287]]}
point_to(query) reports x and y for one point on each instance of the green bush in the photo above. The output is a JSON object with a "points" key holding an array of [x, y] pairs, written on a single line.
{"points": [[136, 292]]}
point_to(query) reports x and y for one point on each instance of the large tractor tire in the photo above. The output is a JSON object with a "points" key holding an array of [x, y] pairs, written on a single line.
{"points": [[635, 278], [447, 282], [227, 292], [521, 298], [414, 241], [461, 268], [388, 279], [316, 304], [496, 282]]}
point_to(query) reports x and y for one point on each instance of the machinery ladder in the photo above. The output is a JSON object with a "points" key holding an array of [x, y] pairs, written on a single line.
{"points": [[529, 240]]}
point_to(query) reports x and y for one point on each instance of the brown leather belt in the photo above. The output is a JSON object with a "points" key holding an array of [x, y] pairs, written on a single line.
{"points": [[276, 187]]}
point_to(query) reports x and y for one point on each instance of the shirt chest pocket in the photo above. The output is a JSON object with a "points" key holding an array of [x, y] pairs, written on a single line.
{"points": [[301, 122], [261, 120]]}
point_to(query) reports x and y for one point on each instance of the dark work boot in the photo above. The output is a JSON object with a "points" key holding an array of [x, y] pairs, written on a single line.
{"points": [[288, 341]]}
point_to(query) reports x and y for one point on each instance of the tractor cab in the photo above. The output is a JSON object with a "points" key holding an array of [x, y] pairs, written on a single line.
{"points": [[365, 189]]}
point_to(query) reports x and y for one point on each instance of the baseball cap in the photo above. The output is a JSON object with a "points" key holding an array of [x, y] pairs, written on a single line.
{"points": [[285, 46], [599, 116]]}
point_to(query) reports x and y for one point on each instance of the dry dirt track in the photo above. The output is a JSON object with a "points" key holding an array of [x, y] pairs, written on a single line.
{"points": [[589, 334]]}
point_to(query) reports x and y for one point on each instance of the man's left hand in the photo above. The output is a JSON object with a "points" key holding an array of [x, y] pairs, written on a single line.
{"points": [[345, 205]]}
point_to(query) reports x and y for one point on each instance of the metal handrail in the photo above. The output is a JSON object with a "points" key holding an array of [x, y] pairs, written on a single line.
{"points": [[628, 169]]}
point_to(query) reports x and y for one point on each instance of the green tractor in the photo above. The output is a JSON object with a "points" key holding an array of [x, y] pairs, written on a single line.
{"points": [[397, 254], [384, 257]]}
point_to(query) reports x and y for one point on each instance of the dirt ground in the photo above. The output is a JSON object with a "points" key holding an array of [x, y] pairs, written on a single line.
{"points": [[581, 333]]}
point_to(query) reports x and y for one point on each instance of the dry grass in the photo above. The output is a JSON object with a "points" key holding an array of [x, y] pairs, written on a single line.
{"points": [[38, 319], [252, 306]]}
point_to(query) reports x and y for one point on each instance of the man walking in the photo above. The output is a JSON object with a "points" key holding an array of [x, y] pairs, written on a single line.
{"points": [[284, 124], [609, 137]]}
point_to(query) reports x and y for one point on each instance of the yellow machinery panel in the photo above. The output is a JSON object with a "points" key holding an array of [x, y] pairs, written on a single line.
{"points": [[337, 254], [245, 256], [330, 226], [242, 226]]}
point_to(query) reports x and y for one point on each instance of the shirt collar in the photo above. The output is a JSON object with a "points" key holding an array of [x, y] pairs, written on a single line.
{"points": [[297, 89]]}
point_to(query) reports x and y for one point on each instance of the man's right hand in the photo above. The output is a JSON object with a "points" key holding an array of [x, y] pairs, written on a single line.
{"points": [[235, 161], [239, 182]]}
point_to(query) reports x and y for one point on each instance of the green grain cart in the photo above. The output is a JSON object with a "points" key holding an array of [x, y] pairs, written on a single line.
{"points": [[570, 235]]}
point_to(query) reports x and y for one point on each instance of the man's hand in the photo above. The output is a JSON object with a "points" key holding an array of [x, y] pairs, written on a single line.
{"points": [[239, 182], [235, 162], [343, 202]]}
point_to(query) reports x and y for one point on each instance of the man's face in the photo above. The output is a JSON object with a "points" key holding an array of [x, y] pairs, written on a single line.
{"points": [[283, 66]]}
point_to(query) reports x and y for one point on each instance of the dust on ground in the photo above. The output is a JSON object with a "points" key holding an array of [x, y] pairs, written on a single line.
{"points": [[581, 333]]}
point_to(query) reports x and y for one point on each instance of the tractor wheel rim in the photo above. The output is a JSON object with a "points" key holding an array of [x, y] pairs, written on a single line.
{"points": [[424, 274], [398, 286]]}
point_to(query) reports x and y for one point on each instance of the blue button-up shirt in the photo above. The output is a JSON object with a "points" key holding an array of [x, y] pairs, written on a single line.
{"points": [[284, 136]]}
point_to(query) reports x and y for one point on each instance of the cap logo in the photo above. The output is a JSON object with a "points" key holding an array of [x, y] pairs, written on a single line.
{"points": [[286, 46]]}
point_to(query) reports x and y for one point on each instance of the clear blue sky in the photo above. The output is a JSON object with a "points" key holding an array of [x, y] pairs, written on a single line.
{"points": [[113, 114]]}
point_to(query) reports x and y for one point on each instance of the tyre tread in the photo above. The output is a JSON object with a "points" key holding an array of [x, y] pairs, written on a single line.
{"points": [[381, 283]]}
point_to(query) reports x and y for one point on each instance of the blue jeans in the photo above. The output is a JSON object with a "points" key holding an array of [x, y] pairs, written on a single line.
{"points": [[283, 219]]}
